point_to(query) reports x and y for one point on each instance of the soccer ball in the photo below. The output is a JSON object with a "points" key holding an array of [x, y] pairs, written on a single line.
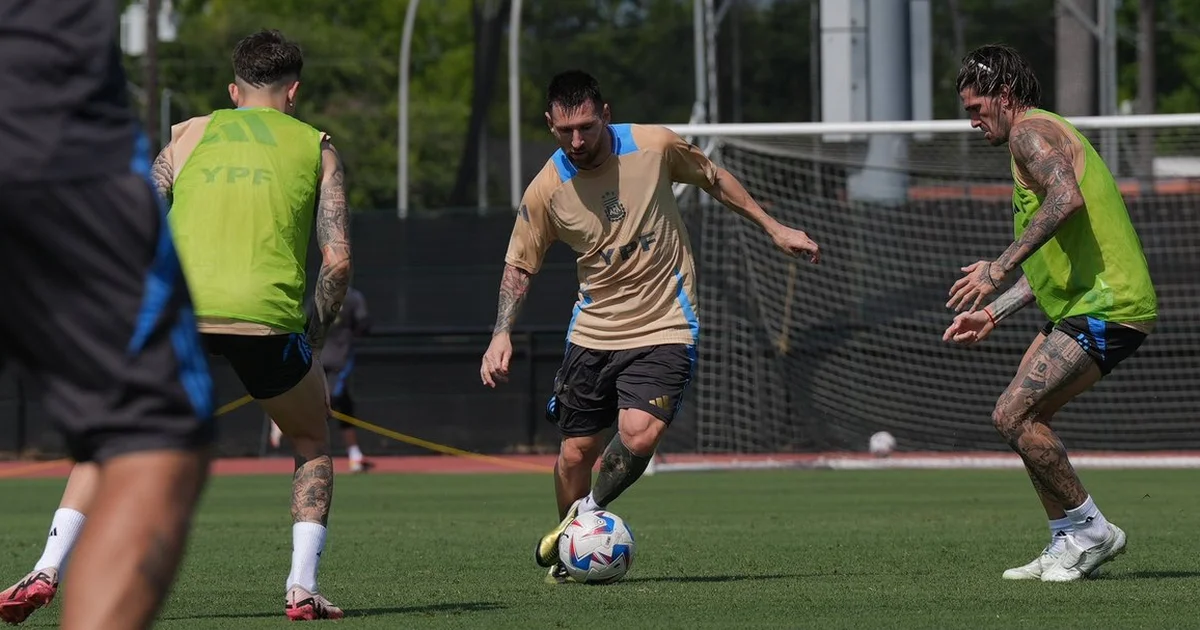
{"points": [[882, 444], [596, 548]]}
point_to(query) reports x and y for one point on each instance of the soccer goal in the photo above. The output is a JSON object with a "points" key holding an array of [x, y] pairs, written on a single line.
{"points": [[801, 364]]}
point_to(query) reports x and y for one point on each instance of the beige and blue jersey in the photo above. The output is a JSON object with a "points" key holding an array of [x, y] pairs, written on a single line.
{"points": [[637, 277]]}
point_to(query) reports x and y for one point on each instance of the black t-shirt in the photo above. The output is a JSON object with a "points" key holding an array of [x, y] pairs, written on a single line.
{"points": [[64, 103]]}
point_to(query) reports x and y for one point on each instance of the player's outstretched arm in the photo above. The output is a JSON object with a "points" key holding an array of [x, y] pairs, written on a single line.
{"points": [[513, 287], [333, 238], [1042, 149], [1014, 299], [733, 195], [162, 174]]}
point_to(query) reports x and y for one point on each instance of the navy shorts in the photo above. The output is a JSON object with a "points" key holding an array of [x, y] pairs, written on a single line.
{"points": [[1105, 342], [592, 386], [267, 365], [97, 312]]}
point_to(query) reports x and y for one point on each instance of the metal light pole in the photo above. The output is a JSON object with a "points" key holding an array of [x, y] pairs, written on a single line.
{"points": [[410, 17], [150, 69], [710, 57], [514, 104], [699, 38], [1145, 57], [1104, 31]]}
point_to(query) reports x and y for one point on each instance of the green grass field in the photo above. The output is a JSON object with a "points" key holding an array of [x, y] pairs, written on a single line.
{"points": [[883, 549]]}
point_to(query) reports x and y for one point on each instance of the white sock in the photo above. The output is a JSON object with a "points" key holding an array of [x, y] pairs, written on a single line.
{"points": [[1059, 528], [308, 541], [354, 453], [64, 531], [1091, 528], [588, 504]]}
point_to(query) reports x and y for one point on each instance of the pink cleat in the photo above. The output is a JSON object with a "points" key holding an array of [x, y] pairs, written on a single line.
{"points": [[302, 605], [34, 591]]}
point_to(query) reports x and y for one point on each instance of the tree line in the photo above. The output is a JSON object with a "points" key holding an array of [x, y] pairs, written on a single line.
{"points": [[641, 50]]}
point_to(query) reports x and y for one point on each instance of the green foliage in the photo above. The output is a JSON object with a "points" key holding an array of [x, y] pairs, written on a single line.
{"points": [[350, 82], [1027, 25], [641, 50], [1176, 55]]}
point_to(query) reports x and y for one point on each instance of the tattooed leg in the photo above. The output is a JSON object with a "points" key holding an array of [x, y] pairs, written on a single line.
{"points": [[619, 468], [1058, 371], [301, 415], [1054, 509], [627, 455], [312, 488]]}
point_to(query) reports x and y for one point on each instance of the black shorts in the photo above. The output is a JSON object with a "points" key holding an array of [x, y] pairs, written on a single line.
{"points": [[339, 392], [1105, 342], [592, 386], [267, 365], [98, 313]]}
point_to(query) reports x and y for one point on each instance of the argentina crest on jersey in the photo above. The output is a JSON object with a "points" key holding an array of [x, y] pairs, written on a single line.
{"points": [[613, 208]]}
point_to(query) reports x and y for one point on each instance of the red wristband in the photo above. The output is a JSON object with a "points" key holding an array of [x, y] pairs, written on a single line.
{"points": [[989, 314]]}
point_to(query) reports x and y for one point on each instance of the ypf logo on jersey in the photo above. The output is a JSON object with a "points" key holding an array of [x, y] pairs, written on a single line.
{"points": [[613, 208]]}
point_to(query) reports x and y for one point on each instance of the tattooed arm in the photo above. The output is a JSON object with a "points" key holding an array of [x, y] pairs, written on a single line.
{"points": [[1041, 149], [333, 238], [1016, 298], [533, 232], [162, 173], [513, 287]]}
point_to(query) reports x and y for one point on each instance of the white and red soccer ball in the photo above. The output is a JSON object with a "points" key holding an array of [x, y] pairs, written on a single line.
{"points": [[597, 548]]}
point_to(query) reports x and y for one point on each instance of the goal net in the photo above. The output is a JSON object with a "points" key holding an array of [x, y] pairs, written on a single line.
{"points": [[796, 358]]}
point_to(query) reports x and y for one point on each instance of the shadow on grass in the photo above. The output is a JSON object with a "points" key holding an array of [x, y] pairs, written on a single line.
{"points": [[706, 579], [1153, 575], [431, 609]]}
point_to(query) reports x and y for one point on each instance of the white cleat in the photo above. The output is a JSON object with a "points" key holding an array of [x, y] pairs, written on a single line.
{"points": [[1076, 562], [1038, 566], [1033, 570]]}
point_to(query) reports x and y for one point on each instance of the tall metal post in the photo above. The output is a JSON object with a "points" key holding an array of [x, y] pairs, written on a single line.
{"points": [[699, 37], [164, 117], [1146, 79], [150, 81], [1104, 32], [410, 16], [514, 104], [710, 59], [884, 177], [1106, 11], [1078, 89]]}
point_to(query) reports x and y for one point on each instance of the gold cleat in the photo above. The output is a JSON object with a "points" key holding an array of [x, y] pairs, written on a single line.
{"points": [[546, 552], [558, 575]]}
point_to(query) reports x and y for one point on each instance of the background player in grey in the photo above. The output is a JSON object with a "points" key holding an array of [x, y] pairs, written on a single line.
{"points": [[98, 312]]}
